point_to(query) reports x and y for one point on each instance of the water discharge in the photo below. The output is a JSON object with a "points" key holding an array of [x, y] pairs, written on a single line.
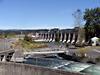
{"points": [[65, 65]]}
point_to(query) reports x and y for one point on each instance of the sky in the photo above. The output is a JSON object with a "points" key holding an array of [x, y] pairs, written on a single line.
{"points": [[41, 14]]}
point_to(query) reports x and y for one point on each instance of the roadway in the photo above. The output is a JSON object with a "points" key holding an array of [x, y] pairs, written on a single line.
{"points": [[5, 44]]}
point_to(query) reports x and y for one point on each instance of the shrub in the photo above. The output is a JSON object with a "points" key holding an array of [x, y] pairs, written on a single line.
{"points": [[26, 38]]}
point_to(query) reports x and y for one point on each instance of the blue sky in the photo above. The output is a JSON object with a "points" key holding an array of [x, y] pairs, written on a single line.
{"points": [[34, 14]]}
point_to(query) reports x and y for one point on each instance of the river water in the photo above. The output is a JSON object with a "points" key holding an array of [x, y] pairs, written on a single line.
{"points": [[65, 65]]}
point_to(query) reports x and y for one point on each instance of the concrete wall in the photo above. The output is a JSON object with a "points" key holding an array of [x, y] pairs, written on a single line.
{"points": [[23, 69]]}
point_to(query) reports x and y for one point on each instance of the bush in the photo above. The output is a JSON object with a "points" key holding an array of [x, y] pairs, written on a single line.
{"points": [[26, 38], [97, 59], [99, 39], [79, 45]]}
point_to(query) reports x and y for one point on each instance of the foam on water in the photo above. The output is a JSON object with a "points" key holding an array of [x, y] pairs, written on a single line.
{"points": [[65, 65]]}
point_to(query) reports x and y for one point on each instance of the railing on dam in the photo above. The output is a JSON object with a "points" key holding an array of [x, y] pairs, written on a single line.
{"points": [[24, 69]]}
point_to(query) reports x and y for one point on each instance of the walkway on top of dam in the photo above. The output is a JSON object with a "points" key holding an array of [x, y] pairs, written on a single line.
{"points": [[47, 51]]}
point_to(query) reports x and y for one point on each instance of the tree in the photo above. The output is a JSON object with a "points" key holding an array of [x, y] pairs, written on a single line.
{"points": [[29, 39], [92, 25], [82, 35], [78, 18]]}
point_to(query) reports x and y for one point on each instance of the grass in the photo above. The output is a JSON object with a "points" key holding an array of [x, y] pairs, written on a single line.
{"points": [[11, 36], [7, 35], [86, 49], [29, 45]]}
